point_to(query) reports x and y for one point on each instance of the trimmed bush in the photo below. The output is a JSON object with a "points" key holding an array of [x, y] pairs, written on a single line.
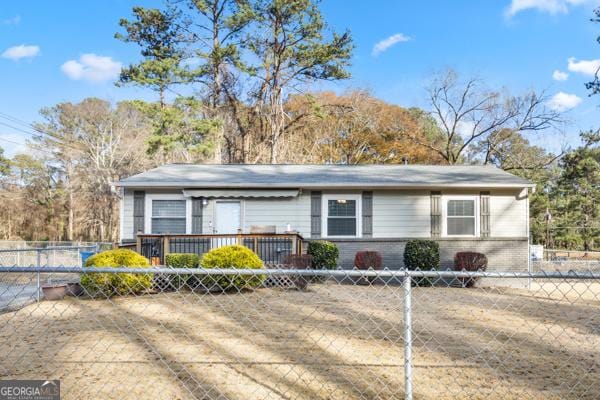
{"points": [[298, 261], [469, 261], [182, 260], [368, 260], [107, 285], [179, 260], [422, 255], [235, 256], [324, 254]]}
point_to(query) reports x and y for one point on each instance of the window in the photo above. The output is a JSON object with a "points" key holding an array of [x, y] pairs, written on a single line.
{"points": [[460, 217], [342, 218], [168, 216]]}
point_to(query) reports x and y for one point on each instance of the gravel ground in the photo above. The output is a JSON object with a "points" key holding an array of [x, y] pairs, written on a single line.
{"points": [[329, 342]]}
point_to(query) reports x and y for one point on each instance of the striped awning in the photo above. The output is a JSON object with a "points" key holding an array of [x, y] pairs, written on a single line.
{"points": [[237, 193]]}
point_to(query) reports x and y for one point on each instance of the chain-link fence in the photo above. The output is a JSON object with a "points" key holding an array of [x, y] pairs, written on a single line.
{"points": [[224, 334], [18, 290], [566, 265], [44, 256]]}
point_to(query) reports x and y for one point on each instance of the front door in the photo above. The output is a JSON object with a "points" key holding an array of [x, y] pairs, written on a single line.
{"points": [[228, 217]]}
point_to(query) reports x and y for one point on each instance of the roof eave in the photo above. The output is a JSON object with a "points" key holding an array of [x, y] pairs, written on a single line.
{"points": [[182, 185]]}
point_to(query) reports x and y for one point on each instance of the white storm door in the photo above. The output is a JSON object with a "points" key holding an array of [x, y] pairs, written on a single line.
{"points": [[228, 217]]}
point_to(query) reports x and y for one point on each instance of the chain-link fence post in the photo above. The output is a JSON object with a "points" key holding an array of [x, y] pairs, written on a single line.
{"points": [[38, 265], [407, 338]]}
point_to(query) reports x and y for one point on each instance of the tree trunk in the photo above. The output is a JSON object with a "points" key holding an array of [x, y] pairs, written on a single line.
{"points": [[273, 158], [218, 156], [70, 200]]}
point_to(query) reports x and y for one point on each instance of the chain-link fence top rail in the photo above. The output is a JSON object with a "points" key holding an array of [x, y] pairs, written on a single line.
{"points": [[44, 255], [566, 265], [311, 334]]}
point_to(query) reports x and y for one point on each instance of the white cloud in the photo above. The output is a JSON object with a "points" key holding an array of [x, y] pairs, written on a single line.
{"points": [[559, 75], [22, 51], [585, 67], [386, 43], [92, 68], [548, 6], [16, 20], [562, 101]]}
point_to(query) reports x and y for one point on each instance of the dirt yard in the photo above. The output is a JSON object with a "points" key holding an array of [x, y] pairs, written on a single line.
{"points": [[329, 342]]}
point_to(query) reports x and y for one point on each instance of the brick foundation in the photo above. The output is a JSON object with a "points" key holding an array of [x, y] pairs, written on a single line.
{"points": [[504, 254]]}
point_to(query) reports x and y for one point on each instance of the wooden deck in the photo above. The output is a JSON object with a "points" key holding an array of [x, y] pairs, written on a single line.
{"points": [[271, 248]]}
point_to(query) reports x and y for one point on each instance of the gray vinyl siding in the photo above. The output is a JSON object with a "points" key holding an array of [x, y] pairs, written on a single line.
{"points": [[279, 212], [401, 213], [127, 233], [407, 214], [508, 213], [396, 213]]}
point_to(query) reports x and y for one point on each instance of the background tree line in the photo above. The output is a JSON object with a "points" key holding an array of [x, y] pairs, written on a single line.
{"points": [[234, 82]]}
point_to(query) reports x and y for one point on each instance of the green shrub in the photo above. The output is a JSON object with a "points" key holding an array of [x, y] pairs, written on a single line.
{"points": [[235, 256], [106, 285], [422, 255], [324, 254], [180, 260]]}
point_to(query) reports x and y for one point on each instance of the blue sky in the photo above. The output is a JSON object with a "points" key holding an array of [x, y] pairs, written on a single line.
{"points": [[65, 51]]}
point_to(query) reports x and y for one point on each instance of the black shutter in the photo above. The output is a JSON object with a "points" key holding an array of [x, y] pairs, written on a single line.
{"points": [[436, 214], [139, 204], [367, 214], [315, 214], [197, 215], [484, 214]]}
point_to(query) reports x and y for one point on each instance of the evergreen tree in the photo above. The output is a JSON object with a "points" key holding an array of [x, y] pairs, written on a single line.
{"points": [[579, 193], [159, 38], [594, 86]]}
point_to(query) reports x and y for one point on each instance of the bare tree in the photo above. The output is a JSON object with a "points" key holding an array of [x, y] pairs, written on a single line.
{"points": [[92, 145], [510, 151], [468, 113], [292, 50]]}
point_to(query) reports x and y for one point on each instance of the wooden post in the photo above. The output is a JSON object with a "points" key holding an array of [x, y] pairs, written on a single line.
{"points": [[166, 248], [295, 244], [138, 243]]}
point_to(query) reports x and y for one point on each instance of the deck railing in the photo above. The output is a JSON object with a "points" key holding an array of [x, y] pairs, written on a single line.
{"points": [[270, 247]]}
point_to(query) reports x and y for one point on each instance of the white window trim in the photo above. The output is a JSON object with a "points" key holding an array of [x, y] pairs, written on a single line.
{"points": [[167, 196], [325, 213], [445, 199]]}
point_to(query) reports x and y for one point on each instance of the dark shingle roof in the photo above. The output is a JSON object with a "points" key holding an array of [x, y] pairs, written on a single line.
{"points": [[323, 176]]}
